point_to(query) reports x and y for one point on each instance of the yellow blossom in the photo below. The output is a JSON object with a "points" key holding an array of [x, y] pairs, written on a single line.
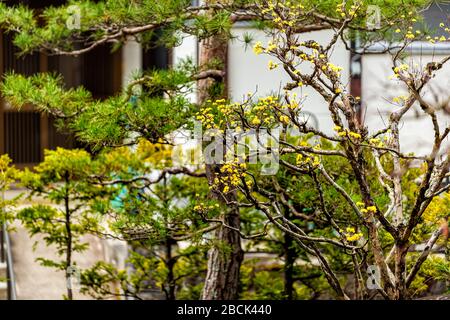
{"points": [[304, 144], [272, 65], [354, 237], [284, 119], [258, 48], [354, 135], [256, 121], [271, 47], [316, 162]]}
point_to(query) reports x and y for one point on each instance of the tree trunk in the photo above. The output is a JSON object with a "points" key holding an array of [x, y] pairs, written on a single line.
{"points": [[401, 250], [224, 262], [169, 287], [290, 256], [170, 263], [225, 257]]}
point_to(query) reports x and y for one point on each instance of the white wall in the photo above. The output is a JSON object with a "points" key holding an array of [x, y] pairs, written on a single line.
{"points": [[188, 49], [249, 72], [416, 133], [131, 60]]}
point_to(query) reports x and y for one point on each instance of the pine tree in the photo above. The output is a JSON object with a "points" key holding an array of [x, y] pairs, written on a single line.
{"points": [[111, 122]]}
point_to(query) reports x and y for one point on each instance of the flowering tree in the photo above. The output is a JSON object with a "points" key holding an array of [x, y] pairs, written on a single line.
{"points": [[113, 197], [382, 218], [61, 179], [355, 187], [154, 210]]}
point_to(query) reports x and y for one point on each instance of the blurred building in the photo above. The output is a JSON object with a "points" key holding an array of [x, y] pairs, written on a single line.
{"points": [[25, 134], [366, 76]]}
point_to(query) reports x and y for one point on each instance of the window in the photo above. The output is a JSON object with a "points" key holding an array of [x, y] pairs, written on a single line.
{"points": [[26, 65], [101, 71], [24, 134], [155, 57], [434, 14], [21, 131]]}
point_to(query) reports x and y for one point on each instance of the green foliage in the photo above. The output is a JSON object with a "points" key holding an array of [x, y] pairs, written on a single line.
{"points": [[108, 122], [434, 269], [265, 281], [103, 280], [153, 218], [49, 222], [8, 175], [61, 179], [156, 215], [149, 273], [173, 15]]}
